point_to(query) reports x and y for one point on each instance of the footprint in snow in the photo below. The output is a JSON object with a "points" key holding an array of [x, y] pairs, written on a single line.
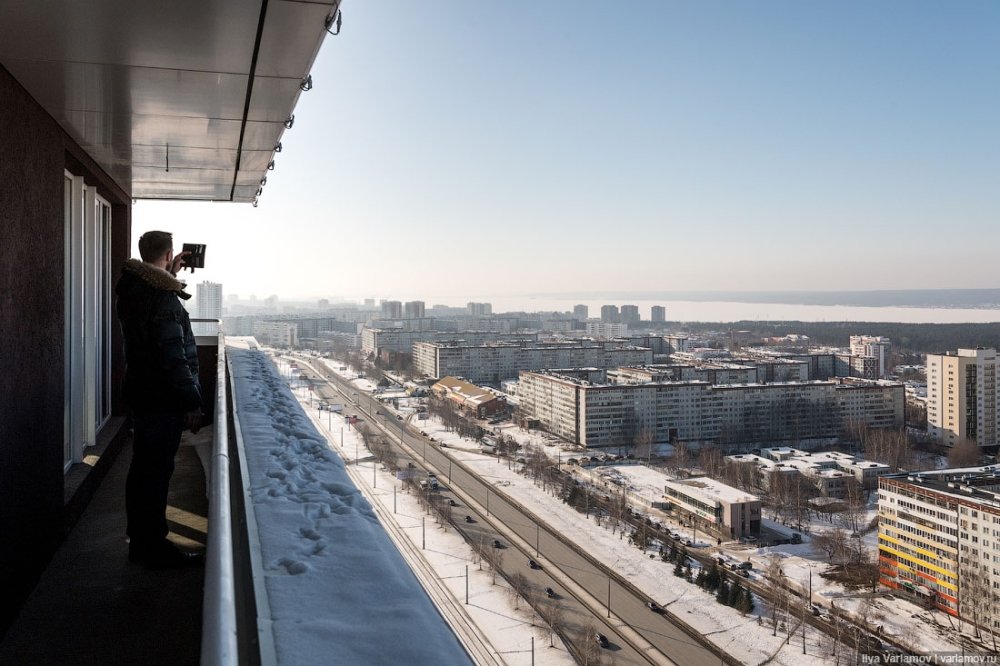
{"points": [[293, 567]]}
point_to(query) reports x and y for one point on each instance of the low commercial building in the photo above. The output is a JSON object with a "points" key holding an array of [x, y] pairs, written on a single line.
{"points": [[475, 400], [829, 471], [724, 507]]}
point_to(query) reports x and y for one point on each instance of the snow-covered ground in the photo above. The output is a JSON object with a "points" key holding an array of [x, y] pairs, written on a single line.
{"points": [[922, 629]]}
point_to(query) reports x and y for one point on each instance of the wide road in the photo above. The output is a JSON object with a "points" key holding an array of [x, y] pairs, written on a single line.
{"points": [[671, 641]]}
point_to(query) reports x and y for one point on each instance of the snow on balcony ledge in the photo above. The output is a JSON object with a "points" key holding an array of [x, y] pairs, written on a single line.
{"points": [[335, 587]]}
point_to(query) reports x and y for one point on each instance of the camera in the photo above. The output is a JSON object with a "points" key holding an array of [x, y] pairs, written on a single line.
{"points": [[197, 257]]}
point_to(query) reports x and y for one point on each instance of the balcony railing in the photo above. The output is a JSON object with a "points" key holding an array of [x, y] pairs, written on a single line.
{"points": [[219, 639]]}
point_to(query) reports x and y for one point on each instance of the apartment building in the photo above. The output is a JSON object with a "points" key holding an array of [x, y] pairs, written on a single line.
{"points": [[658, 314], [597, 414], [962, 398], [581, 311], [495, 362], [414, 310], [605, 330], [208, 305], [939, 541], [479, 309], [875, 347], [392, 309], [630, 315], [376, 340], [609, 314], [276, 333]]}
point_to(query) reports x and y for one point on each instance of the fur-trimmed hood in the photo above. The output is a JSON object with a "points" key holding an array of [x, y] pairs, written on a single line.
{"points": [[155, 277]]}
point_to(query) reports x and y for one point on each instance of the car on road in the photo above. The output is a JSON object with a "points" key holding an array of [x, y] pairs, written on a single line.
{"points": [[469, 519], [399, 417], [601, 639], [452, 502], [534, 565], [653, 606], [497, 544]]}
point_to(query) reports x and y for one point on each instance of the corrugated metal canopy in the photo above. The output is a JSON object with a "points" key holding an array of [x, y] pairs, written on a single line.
{"points": [[184, 99]]}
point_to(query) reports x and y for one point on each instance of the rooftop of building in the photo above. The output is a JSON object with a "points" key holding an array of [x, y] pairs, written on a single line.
{"points": [[979, 484], [711, 490]]}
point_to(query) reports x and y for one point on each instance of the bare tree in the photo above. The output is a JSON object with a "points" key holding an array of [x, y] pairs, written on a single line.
{"points": [[618, 508], [643, 444], [711, 460], [823, 542], [554, 618], [778, 592], [588, 650], [964, 454], [519, 587]]}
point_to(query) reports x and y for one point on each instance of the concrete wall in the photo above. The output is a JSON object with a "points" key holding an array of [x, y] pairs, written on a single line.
{"points": [[35, 153]]}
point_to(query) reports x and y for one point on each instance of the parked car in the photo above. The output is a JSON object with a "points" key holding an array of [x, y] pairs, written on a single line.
{"points": [[653, 606], [497, 544], [534, 565], [469, 519], [601, 639], [550, 593], [748, 565], [452, 502]]}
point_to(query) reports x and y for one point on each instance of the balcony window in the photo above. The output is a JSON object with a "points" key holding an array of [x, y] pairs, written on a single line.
{"points": [[87, 306]]}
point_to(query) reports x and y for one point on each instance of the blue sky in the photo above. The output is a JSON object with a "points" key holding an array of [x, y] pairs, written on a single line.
{"points": [[460, 149]]}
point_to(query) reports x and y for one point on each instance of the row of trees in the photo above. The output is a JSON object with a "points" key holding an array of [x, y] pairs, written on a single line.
{"points": [[453, 419]]}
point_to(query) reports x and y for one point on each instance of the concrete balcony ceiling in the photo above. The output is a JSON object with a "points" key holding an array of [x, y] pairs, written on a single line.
{"points": [[175, 100]]}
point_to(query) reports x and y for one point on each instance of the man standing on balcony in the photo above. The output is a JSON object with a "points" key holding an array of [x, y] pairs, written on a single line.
{"points": [[161, 387]]}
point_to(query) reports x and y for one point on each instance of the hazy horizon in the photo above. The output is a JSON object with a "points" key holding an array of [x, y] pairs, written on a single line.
{"points": [[465, 149]]}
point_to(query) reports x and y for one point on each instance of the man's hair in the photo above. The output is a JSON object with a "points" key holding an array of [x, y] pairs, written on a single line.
{"points": [[154, 244]]}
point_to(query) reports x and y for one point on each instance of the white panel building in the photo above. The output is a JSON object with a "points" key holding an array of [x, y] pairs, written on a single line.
{"points": [[962, 398], [597, 414]]}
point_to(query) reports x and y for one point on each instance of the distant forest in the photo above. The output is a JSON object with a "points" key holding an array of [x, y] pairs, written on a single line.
{"points": [[912, 338]]}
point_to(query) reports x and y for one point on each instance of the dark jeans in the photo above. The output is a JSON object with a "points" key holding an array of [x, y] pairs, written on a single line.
{"points": [[155, 439]]}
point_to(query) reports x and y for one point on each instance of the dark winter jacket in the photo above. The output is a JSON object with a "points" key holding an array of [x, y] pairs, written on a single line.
{"points": [[161, 358]]}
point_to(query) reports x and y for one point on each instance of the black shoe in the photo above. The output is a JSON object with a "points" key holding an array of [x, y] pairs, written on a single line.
{"points": [[164, 555]]}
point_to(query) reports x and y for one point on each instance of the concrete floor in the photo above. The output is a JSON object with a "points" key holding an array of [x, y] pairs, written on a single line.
{"points": [[93, 607]]}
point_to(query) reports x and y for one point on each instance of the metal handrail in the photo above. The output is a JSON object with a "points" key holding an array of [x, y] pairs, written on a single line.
{"points": [[219, 624]]}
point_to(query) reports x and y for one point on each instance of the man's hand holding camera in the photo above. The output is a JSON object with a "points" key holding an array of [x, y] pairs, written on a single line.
{"points": [[178, 263]]}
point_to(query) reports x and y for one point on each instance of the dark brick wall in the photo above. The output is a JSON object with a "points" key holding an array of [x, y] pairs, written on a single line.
{"points": [[35, 152]]}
